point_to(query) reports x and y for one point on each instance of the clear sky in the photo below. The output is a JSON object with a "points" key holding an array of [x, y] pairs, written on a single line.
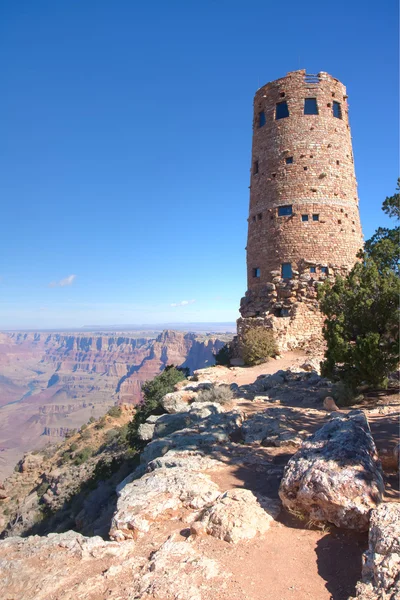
{"points": [[125, 145]]}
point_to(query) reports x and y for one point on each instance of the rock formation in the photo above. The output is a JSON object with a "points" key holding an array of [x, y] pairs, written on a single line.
{"points": [[336, 476]]}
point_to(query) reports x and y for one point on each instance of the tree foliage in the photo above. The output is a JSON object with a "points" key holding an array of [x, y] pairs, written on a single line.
{"points": [[153, 391], [361, 329], [223, 356]]}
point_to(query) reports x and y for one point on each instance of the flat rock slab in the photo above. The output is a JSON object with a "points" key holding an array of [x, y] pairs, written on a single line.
{"points": [[336, 475]]}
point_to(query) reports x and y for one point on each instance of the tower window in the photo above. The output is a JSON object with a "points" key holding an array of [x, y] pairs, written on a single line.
{"points": [[324, 270], [304, 217], [313, 270], [310, 106], [282, 94], [337, 162], [337, 110], [255, 167], [256, 272], [259, 216], [282, 110], [283, 211], [315, 217], [289, 160], [261, 119], [286, 270]]}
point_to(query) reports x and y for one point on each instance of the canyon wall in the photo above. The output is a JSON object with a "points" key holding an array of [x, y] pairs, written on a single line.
{"points": [[51, 383]]}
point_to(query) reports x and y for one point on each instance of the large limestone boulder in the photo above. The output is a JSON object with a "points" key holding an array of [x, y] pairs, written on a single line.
{"points": [[64, 566], [178, 571], [211, 431], [336, 476], [159, 495], [277, 426], [381, 562], [176, 402], [238, 515]]}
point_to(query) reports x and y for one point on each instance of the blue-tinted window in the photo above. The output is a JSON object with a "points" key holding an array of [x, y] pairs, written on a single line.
{"points": [[282, 110], [289, 160], [304, 217], [313, 270], [337, 110], [324, 269], [310, 106], [315, 217], [261, 119], [284, 210], [286, 270], [256, 272]]}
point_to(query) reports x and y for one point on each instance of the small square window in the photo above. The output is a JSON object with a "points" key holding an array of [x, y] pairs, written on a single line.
{"points": [[284, 312], [310, 106], [337, 162], [337, 110], [315, 217], [324, 270], [305, 168], [282, 94], [256, 272], [255, 167], [286, 270], [283, 211], [304, 217], [259, 216], [313, 270], [254, 219], [282, 110], [289, 160], [261, 119]]}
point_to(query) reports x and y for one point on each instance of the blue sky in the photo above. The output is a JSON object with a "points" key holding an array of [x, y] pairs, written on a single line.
{"points": [[126, 139]]}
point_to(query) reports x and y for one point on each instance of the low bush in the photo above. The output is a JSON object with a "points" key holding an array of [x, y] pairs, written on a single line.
{"points": [[222, 394], [153, 392], [115, 412], [258, 345], [83, 455], [223, 356]]}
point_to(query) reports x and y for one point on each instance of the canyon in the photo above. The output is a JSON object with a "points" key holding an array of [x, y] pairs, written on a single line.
{"points": [[53, 382]]}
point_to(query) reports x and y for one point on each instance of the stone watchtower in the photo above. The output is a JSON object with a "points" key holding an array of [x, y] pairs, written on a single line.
{"points": [[304, 223]]}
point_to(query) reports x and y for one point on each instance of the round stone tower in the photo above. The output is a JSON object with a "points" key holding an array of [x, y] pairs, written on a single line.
{"points": [[304, 223]]}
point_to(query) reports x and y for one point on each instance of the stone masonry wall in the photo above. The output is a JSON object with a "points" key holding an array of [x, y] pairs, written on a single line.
{"points": [[303, 162]]}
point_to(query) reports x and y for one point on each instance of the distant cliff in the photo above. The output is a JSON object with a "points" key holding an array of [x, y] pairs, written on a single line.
{"points": [[51, 383]]}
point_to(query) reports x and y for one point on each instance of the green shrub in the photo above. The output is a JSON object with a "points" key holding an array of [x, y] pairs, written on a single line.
{"points": [[73, 447], [101, 423], [86, 435], [223, 356], [222, 394], [112, 435], [153, 392], [91, 420], [42, 489], [83, 427], [258, 345], [362, 310], [83, 455], [115, 412]]}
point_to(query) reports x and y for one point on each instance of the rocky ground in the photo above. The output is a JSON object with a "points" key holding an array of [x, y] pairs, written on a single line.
{"points": [[256, 489]]}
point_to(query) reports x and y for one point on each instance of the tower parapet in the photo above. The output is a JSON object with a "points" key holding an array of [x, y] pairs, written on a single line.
{"points": [[304, 223]]}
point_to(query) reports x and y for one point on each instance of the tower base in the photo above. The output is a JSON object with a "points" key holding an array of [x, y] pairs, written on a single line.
{"points": [[287, 306]]}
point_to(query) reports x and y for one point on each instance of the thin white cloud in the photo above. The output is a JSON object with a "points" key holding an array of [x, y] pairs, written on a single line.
{"points": [[183, 303], [63, 282]]}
